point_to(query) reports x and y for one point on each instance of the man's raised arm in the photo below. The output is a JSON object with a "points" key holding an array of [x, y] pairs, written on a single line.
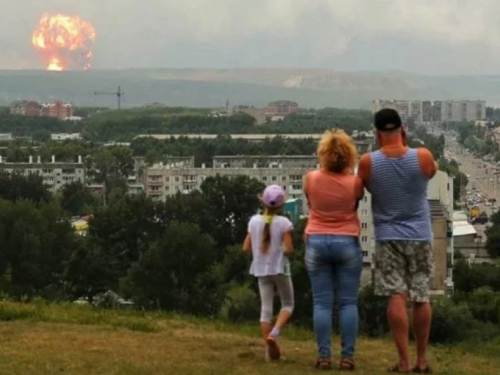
{"points": [[364, 169]]}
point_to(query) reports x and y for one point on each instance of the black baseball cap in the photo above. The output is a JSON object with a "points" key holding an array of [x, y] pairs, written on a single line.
{"points": [[387, 119]]}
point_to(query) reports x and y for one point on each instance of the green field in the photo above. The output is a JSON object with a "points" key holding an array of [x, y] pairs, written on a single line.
{"points": [[38, 338]]}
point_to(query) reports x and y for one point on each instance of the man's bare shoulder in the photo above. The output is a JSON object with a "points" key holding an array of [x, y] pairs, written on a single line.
{"points": [[364, 167]]}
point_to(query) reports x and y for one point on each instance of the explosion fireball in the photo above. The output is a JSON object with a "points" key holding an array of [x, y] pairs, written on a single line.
{"points": [[64, 42]]}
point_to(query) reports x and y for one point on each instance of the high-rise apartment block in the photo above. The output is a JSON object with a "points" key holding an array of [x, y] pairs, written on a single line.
{"points": [[439, 111]]}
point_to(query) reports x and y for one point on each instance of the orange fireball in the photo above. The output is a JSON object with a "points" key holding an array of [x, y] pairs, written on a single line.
{"points": [[64, 42]]}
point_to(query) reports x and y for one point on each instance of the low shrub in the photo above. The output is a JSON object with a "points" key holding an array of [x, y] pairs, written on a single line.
{"points": [[241, 304], [450, 322]]}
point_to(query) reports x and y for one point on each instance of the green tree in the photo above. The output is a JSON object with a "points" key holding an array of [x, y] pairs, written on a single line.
{"points": [[14, 186], [231, 202], [35, 242], [168, 275], [90, 270], [77, 199]]}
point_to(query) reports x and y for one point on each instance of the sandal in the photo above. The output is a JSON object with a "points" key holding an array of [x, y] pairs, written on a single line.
{"points": [[324, 364], [396, 369], [426, 370], [274, 349], [347, 364]]}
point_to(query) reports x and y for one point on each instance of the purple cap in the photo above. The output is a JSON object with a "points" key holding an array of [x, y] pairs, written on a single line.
{"points": [[273, 196]]}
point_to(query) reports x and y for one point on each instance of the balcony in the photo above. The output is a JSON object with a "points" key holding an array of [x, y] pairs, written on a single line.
{"points": [[154, 192], [155, 183]]}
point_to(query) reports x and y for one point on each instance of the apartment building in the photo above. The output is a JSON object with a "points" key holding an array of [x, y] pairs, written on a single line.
{"points": [[277, 161], [55, 174], [426, 111], [406, 108], [25, 108], [57, 109], [442, 246], [462, 110], [281, 108]]}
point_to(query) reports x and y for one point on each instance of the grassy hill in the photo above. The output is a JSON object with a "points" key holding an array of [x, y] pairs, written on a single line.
{"points": [[212, 87], [40, 338]]}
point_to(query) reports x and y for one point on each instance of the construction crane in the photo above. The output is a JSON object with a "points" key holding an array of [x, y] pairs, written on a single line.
{"points": [[119, 94]]}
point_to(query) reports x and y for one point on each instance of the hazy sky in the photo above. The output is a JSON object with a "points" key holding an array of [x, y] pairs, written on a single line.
{"points": [[427, 36]]}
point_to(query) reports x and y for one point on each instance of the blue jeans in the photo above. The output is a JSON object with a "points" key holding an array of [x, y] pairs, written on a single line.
{"points": [[334, 263]]}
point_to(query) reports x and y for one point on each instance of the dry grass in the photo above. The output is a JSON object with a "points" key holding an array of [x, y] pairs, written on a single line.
{"points": [[177, 346]]}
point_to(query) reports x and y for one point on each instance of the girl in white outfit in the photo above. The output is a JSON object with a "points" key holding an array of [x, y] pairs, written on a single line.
{"points": [[269, 240]]}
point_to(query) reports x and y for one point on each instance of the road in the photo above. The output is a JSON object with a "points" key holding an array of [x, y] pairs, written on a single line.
{"points": [[483, 181]]}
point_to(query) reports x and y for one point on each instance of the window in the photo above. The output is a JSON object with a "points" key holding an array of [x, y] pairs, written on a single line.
{"points": [[167, 188], [365, 254], [274, 178], [448, 186], [167, 179], [365, 199], [364, 225], [283, 178], [264, 178], [177, 179], [364, 239], [296, 187], [364, 212]]}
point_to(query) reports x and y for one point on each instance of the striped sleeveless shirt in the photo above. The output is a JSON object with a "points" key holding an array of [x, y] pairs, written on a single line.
{"points": [[399, 198]]}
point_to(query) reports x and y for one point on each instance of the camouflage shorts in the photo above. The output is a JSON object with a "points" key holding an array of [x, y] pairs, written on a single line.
{"points": [[404, 267]]}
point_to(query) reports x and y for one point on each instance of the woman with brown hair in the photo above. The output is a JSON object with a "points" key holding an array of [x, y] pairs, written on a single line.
{"points": [[333, 255]]}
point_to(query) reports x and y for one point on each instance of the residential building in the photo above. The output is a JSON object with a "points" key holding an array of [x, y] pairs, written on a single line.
{"points": [[427, 111], [277, 161], [442, 247], [6, 137], [57, 109], [55, 174], [439, 111], [281, 108], [404, 107], [462, 110], [25, 108], [65, 136]]}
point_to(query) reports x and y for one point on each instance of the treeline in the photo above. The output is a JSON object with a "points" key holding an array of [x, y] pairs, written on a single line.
{"points": [[38, 128], [100, 125], [125, 125], [467, 136]]}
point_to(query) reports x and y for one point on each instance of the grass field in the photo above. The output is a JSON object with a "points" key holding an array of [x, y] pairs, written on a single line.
{"points": [[38, 338]]}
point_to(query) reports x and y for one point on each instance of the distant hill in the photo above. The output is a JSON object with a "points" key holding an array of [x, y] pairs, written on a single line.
{"points": [[211, 88]]}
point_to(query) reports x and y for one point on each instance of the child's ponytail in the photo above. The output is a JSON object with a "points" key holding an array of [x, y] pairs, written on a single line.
{"points": [[266, 237]]}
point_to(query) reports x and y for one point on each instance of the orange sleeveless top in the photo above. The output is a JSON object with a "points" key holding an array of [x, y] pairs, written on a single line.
{"points": [[332, 204]]}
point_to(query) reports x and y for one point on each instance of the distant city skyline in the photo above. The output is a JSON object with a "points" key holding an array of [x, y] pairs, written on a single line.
{"points": [[427, 37]]}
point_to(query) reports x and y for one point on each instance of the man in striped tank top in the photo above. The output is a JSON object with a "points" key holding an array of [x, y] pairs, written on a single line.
{"points": [[397, 177]]}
